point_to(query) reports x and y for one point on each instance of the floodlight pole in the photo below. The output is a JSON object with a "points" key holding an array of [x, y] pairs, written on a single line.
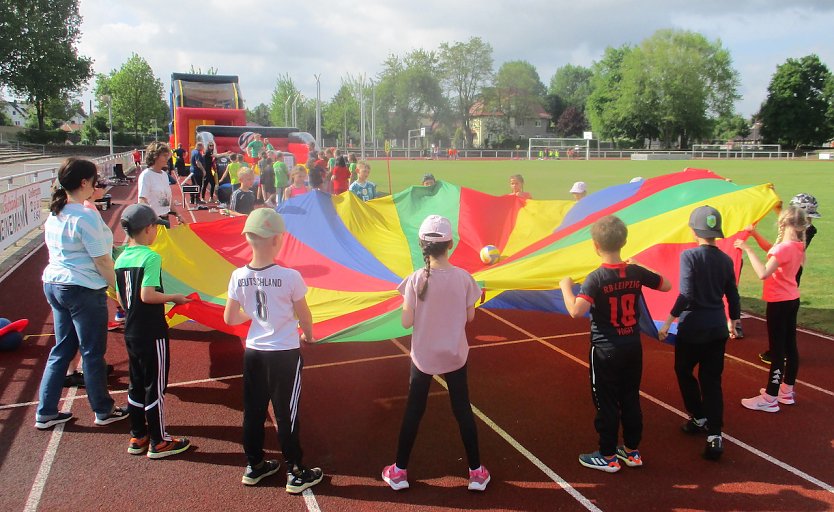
{"points": [[373, 115], [318, 109], [109, 101], [362, 116], [286, 110], [294, 111]]}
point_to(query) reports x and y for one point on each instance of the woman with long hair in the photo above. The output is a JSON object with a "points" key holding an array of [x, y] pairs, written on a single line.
{"points": [[75, 282]]}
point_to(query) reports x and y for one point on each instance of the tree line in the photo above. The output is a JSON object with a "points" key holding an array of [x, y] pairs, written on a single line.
{"points": [[675, 87]]}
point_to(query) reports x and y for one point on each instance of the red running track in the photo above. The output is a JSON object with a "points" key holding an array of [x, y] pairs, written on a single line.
{"points": [[528, 382]]}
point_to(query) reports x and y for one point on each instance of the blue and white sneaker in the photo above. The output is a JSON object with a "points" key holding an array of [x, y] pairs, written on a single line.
{"points": [[631, 459], [597, 461]]}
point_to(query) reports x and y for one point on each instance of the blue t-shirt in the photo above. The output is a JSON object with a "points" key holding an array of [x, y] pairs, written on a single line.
{"points": [[366, 191], [196, 156]]}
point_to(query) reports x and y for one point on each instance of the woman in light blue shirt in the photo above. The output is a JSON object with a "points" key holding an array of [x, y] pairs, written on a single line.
{"points": [[75, 283]]}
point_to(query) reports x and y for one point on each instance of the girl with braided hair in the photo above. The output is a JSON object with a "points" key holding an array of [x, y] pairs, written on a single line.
{"points": [[438, 301], [781, 293]]}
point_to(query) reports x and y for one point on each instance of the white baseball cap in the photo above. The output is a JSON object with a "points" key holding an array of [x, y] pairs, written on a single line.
{"points": [[578, 188], [436, 229]]}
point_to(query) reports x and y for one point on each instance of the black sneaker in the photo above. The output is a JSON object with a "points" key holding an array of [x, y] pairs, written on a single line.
{"points": [[253, 475], [714, 448], [74, 380], [62, 417], [765, 357], [301, 478], [117, 414], [691, 427]]}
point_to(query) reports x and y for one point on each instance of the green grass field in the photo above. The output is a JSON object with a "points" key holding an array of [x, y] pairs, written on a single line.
{"points": [[552, 180]]}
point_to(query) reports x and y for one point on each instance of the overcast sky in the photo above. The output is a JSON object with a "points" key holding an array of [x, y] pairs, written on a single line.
{"points": [[260, 39]]}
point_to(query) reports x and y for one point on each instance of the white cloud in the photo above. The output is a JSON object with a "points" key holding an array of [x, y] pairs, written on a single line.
{"points": [[258, 41]]}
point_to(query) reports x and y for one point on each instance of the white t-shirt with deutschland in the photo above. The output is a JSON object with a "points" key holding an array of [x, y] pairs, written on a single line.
{"points": [[267, 296], [155, 187]]}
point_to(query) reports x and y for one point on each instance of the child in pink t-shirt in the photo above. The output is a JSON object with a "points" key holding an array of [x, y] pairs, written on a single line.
{"points": [[781, 293], [438, 301], [297, 186]]}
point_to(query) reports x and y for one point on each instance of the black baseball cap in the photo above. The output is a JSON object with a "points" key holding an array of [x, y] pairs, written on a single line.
{"points": [[137, 217], [706, 222]]}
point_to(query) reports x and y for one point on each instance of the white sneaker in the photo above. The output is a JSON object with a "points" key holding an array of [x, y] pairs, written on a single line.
{"points": [[760, 403], [785, 397]]}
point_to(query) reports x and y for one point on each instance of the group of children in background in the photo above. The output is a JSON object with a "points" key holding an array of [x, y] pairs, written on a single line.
{"points": [[272, 182], [438, 302]]}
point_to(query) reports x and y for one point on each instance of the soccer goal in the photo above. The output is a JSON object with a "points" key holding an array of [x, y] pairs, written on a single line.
{"points": [[540, 148], [738, 150]]}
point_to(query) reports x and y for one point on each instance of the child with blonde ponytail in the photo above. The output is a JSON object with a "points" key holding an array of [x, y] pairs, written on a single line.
{"points": [[438, 301], [781, 293]]}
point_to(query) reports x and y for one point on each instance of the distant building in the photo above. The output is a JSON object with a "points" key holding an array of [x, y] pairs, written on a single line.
{"points": [[78, 118], [17, 112], [533, 125], [755, 136], [75, 122]]}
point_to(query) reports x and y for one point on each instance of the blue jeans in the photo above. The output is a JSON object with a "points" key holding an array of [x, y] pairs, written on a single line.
{"points": [[80, 317]]}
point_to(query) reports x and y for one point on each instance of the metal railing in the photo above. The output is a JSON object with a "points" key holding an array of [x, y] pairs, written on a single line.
{"points": [[105, 164], [22, 146], [521, 154]]}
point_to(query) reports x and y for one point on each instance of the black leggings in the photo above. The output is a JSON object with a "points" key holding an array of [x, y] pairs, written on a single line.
{"points": [[418, 392], [781, 336], [208, 182]]}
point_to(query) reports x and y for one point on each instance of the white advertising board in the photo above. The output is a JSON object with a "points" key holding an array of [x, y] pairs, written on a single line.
{"points": [[20, 213]]}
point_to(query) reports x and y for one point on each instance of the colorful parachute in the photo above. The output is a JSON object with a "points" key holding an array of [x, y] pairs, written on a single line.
{"points": [[353, 254]]}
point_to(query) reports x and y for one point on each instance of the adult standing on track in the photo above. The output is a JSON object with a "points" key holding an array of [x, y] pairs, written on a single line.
{"points": [[154, 188], [180, 163], [79, 272], [209, 180], [198, 171]]}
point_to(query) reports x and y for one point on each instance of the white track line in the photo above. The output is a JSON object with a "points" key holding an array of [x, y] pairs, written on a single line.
{"points": [[773, 460], [189, 210], [309, 497], [314, 366], [51, 450], [310, 500], [34, 499], [755, 451], [800, 329], [567, 487], [767, 369]]}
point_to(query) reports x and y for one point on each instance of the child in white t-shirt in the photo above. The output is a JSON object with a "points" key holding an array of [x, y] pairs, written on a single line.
{"points": [[271, 296], [438, 301]]}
